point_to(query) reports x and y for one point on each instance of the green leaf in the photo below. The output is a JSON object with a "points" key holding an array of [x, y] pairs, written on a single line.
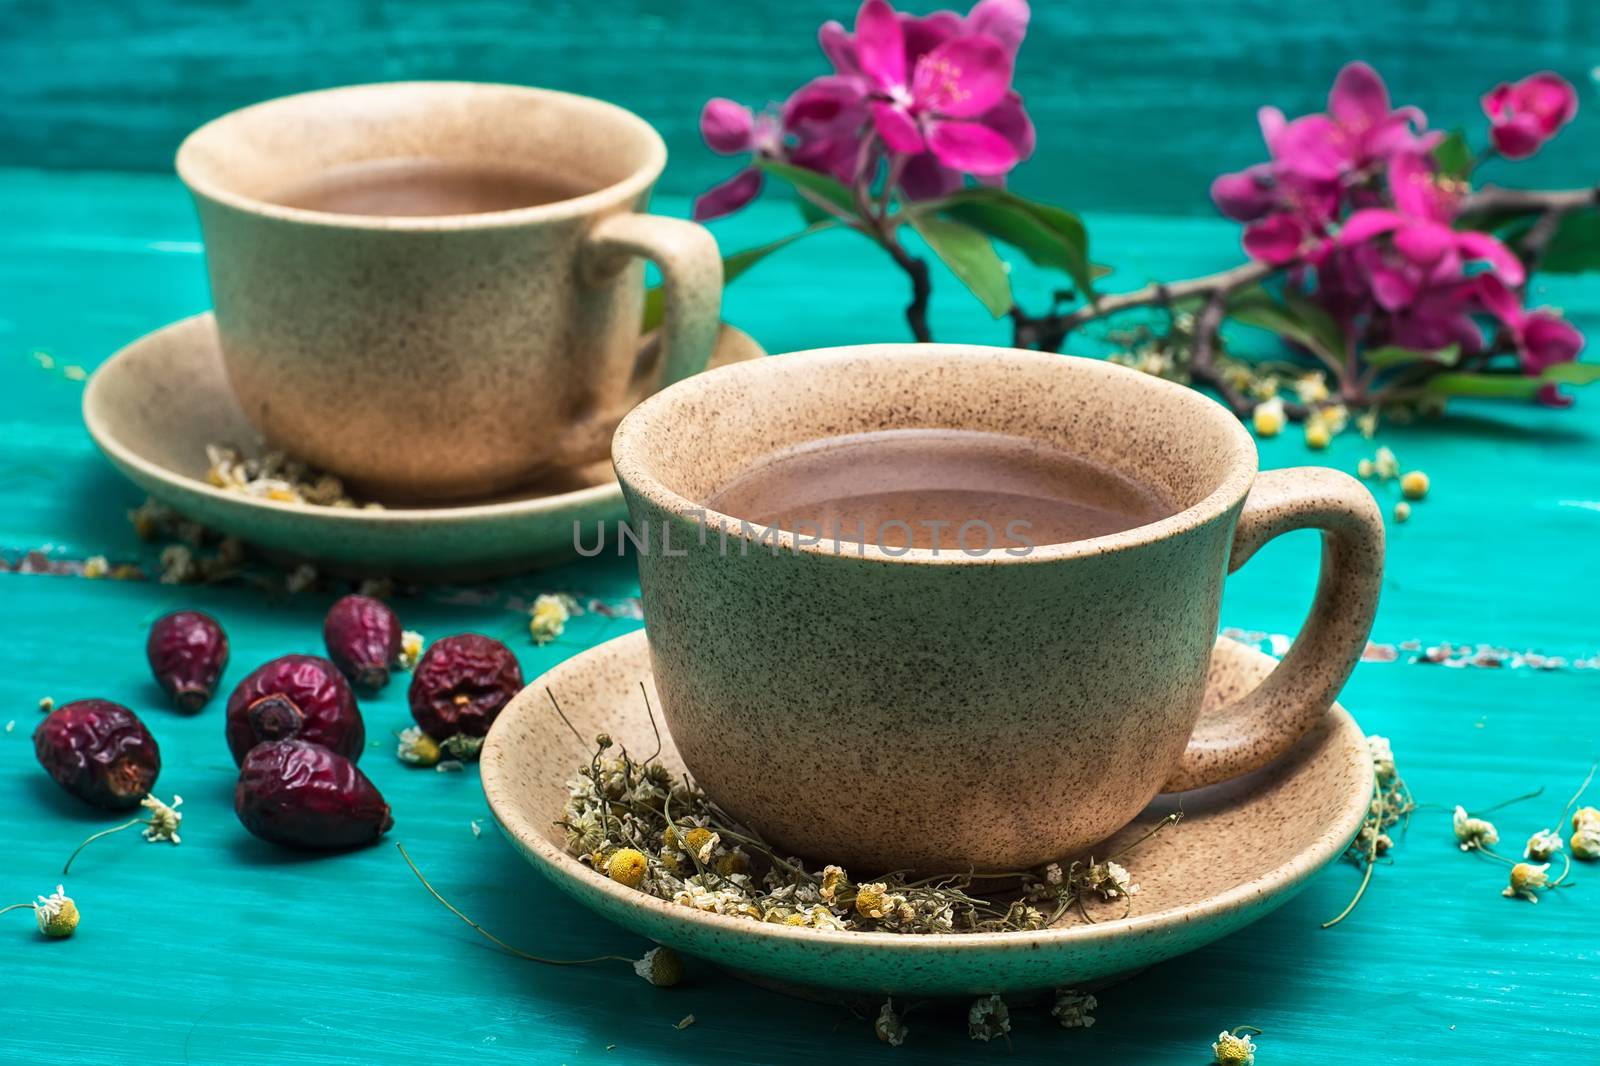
{"points": [[1317, 322], [1048, 236], [970, 257], [1393, 355], [732, 267], [1571, 374], [1504, 385], [1454, 155], [1575, 246], [820, 185], [1254, 306]]}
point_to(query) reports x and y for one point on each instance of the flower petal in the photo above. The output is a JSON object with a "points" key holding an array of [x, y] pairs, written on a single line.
{"points": [[925, 178], [1009, 120], [835, 156], [880, 44], [1483, 246], [1311, 148], [898, 129], [925, 33], [1497, 101], [971, 147], [1517, 137], [728, 197], [1393, 289], [840, 49], [1500, 300], [727, 127], [1424, 243], [1417, 191], [1246, 195], [1551, 97], [1272, 123], [962, 78], [1370, 223], [1548, 339], [1004, 20], [825, 104], [1276, 239], [1359, 99]]}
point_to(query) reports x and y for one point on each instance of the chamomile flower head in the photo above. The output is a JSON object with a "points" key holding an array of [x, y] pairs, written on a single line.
{"points": [[1586, 841], [1382, 758], [1585, 816], [662, 967], [548, 619], [835, 883], [164, 819], [1542, 845], [875, 900], [418, 748], [1110, 880], [1526, 880], [1414, 484], [1072, 1008], [888, 1027], [701, 843], [411, 644], [1268, 418], [988, 1018], [1233, 1049], [627, 866], [1386, 465], [56, 914], [1472, 832]]}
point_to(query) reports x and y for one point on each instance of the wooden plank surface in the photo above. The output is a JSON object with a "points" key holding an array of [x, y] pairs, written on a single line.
{"points": [[1141, 103], [226, 951]]}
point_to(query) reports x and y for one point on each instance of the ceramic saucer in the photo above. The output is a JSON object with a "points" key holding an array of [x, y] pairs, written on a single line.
{"points": [[1241, 850], [154, 406]]}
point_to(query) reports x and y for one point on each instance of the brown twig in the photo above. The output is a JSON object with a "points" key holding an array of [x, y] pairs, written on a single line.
{"points": [[879, 227]]}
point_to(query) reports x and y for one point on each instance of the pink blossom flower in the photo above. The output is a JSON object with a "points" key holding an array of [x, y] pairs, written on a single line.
{"points": [[1425, 249], [1359, 130], [1526, 114], [1542, 337], [936, 103], [730, 128]]}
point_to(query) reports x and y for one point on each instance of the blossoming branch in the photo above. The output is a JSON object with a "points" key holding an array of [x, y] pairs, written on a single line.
{"points": [[1394, 283]]}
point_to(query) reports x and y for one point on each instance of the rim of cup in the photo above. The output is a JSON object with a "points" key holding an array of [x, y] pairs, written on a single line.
{"points": [[194, 172]]}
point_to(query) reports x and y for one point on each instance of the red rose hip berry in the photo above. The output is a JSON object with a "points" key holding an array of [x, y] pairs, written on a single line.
{"points": [[99, 751], [303, 795], [297, 697], [461, 684], [363, 638], [187, 651]]}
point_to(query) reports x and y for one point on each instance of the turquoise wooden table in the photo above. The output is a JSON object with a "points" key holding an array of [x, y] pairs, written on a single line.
{"points": [[225, 949]]}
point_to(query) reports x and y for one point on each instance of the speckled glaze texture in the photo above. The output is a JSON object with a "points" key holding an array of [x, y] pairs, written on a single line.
{"points": [[939, 711], [451, 356], [130, 404], [1242, 849]]}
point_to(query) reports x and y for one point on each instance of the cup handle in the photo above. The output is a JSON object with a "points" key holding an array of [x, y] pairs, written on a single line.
{"points": [[691, 281], [1267, 721]]}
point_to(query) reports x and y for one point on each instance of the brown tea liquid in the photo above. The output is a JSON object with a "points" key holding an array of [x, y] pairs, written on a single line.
{"points": [[917, 488], [425, 187]]}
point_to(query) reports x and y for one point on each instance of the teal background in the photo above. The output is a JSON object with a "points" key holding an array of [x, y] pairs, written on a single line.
{"points": [[1141, 102], [224, 950]]}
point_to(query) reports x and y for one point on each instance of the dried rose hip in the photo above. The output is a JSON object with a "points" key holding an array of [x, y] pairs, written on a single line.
{"points": [[297, 696], [99, 751], [300, 794], [363, 638], [461, 684], [187, 651]]}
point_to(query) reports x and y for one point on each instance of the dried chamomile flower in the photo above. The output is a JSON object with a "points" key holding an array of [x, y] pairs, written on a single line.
{"points": [[462, 747], [164, 819], [988, 1018], [835, 884], [56, 913], [1072, 1008], [411, 644], [1268, 418], [701, 843], [96, 566], [1526, 880], [1367, 423], [662, 967], [1382, 759], [301, 578], [1233, 1047], [178, 566], [46, 705], [874, 900], [1365, 469], [1318, 436], [890, 1029], [1473, 832], [417, 748], [1586, 834], [1542, 845], [627, 867], [1110, 880], [1402, 511], [1385, 465], [1414, 484], [1311, 387], [549, 618]]}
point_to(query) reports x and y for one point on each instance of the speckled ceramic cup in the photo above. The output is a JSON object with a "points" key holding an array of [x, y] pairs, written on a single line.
{"points": [[453, 355], [940, 712]]}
